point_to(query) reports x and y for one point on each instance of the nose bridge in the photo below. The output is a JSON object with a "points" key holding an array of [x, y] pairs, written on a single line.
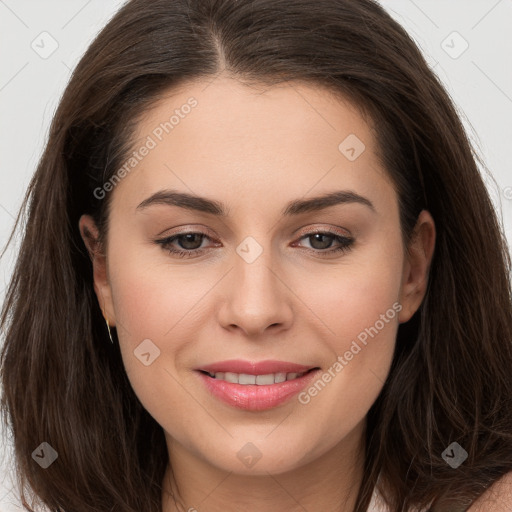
{"points": [[257, 297], [254, 275]]}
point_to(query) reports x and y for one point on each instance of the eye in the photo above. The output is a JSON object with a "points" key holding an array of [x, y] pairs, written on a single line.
{"points": [[323, 239], [189, 243]]}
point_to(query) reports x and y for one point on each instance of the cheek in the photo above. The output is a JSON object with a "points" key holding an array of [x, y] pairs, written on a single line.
{"points": [[360, 306], [358, 293], [159, 308], [149, 306], [150, 299], [363, 321]]}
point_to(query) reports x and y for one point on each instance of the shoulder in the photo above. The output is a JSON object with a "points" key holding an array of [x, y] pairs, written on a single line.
{"points": [[498, 498]]}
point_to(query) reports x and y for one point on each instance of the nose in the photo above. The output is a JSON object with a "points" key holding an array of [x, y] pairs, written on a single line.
{"points": [[256, 297]]}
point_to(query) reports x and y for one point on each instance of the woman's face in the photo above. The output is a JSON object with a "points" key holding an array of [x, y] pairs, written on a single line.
{"points": [[257, 284]]}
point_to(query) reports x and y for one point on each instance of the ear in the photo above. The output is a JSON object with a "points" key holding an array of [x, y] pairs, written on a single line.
{"points": [[417, 266], [89, 233]]}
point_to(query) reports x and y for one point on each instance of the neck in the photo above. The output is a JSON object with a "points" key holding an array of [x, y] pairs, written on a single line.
{"points": [[330, 482]]}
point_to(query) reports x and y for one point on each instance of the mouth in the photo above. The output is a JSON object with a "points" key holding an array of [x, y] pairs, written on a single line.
{"points": [[258, 380], [255, 386]]}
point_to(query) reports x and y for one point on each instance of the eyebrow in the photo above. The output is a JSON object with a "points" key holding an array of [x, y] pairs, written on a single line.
{"points": [[212, 207]]}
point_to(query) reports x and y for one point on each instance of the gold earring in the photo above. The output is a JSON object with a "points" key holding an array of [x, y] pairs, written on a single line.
{"points": [[109, 334], [108, 327]]}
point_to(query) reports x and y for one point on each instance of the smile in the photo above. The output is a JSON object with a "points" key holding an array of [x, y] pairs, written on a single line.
{"points": [[256, 392], [258, 380]]}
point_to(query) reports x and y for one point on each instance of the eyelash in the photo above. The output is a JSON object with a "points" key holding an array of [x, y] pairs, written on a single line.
{"points": [[346, 244]]}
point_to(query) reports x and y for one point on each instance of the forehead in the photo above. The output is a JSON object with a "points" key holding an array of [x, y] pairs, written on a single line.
{"points": [[223, 137]]}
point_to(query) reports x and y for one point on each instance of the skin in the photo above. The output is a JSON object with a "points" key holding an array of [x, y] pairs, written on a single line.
{"points": [[498, 498], [256, 149]]}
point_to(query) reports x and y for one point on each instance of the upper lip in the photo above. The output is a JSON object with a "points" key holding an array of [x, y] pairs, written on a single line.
{"points": [[256, 367]]}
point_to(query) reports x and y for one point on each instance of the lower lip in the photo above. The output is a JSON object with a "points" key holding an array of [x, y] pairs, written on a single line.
{"points": [[252, 397]]}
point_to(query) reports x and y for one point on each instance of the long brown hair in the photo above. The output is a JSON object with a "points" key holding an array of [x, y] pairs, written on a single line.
{"points": [[450, 381]]}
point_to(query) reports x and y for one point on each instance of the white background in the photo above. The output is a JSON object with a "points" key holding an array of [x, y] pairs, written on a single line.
{"points": [[479, 81]]}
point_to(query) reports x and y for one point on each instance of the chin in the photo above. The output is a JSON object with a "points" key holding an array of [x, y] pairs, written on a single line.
{"points": [[261, 457]]}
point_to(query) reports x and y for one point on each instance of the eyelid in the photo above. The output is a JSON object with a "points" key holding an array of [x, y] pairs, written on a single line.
{"points": [[186, 229], [341, 232]]}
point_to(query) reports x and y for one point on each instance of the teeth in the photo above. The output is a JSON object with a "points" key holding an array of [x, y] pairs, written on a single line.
{"points": [[230, 377], [259, 380], [265, 379], [279, 377], [244, 378]]}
